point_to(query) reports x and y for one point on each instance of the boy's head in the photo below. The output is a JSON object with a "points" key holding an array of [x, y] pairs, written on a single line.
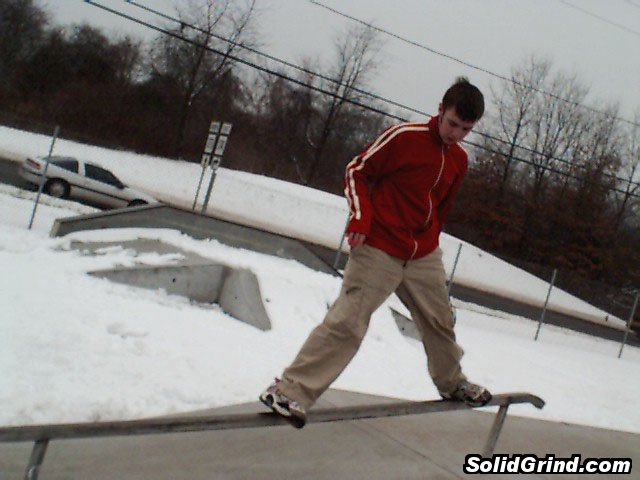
{"points": [[466, 98], [461, 107]]}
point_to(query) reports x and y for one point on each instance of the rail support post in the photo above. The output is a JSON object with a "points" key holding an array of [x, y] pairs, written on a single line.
{"points": [[495, 431], [36, 459]]}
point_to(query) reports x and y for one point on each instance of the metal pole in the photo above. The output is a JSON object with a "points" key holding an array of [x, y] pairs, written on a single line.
{"points": [[339, 252], [204, 168], [546, 302], [626, 332], [496, 428], [44, 176], [36, 459], [453, 271], [222, 132], [209, 189]]}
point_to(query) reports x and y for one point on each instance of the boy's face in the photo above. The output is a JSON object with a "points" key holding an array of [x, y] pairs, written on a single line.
{"points": [[452, 128]]}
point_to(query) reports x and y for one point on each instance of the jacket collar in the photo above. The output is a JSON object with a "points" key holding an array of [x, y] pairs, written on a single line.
{"points": [[434, 131]]}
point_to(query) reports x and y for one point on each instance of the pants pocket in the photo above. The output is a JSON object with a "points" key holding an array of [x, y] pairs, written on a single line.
{"points": [[346, 314]]}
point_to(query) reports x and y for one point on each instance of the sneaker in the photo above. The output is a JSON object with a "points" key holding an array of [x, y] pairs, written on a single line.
{"points": [[276, 400], [469, 393]]}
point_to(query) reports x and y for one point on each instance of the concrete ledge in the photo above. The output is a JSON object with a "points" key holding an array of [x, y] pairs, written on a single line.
{"points": [[198, 227], [237, 291]]}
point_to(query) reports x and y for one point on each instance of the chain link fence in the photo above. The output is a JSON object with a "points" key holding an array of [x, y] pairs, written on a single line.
{"points": [[615, 301]]}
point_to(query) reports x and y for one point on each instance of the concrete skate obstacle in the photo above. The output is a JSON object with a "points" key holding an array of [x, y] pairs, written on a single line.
{"points": [[236, 290]]}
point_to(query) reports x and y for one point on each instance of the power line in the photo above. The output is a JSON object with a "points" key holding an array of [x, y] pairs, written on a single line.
{"points": [[362, 92], [632, 3], [466, 64], [332, 94], [547, 168], [275, 59], [243, 61], [348, 100], [603, 19]]}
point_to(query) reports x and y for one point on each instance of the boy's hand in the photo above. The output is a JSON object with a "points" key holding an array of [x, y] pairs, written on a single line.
{"points": [[356, 239]]}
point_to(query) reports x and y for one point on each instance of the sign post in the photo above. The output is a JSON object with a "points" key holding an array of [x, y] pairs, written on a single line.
{"points": [[212, 156]]}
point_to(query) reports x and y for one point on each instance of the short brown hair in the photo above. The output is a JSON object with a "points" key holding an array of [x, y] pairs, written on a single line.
{"points": [[466, 98]]}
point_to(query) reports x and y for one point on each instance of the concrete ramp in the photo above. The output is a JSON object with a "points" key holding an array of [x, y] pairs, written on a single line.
{"points": [[237, 291], [240, 296]]}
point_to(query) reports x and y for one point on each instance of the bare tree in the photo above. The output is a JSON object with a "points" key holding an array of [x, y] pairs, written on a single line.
{"points": [[599, 155], [22, 29], [628, 201], [356, 60], [514, 113], [284, 111], [557, 129], [225, 26]]}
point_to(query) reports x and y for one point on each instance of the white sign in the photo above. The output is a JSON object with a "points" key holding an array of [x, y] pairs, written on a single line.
{"points": [[222, 142], [226, 128], [211, 141]]}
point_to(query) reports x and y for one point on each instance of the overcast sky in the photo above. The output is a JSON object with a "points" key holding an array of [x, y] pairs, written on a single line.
{"points": [[491, 34]]}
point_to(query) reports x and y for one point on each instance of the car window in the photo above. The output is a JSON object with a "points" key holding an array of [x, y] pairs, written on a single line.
{"points": [[71, 165], [101, 175]]}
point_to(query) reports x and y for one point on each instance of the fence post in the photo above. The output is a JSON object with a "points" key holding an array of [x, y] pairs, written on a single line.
{"points": [[626, 332], [453, 270], [43, 180], [546, 302]]}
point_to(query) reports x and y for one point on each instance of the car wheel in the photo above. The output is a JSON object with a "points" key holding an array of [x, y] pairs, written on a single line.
{"points": [[57, 188], [137, 203]]}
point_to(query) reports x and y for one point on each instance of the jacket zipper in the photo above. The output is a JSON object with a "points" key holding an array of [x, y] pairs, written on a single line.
{"points": [[415, 249], [434, 186], [415, 242]]}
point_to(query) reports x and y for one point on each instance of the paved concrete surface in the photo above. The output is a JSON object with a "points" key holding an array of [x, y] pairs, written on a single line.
{"points": [[429, 446]]}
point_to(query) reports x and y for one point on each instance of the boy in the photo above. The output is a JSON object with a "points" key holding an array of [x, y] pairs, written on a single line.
{"points": [[399, 189]]}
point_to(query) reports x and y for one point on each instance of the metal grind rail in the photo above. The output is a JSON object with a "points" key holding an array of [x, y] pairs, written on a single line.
{"points": [[41, 435]]}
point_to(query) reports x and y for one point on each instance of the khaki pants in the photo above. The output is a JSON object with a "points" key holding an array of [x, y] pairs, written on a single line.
{"points": [[371, 276]]}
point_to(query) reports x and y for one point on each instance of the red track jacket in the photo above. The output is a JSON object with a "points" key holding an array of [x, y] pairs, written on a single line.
{"points": [[401, 187]]}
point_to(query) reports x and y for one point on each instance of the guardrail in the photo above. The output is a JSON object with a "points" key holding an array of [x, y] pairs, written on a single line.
{"points": [[43, 434]]}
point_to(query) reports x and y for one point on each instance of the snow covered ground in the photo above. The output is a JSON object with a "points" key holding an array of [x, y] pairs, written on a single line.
{"points": [[76, 348]]}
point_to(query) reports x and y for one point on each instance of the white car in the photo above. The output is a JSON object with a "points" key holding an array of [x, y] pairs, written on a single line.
{"points": [[68, 177]]}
